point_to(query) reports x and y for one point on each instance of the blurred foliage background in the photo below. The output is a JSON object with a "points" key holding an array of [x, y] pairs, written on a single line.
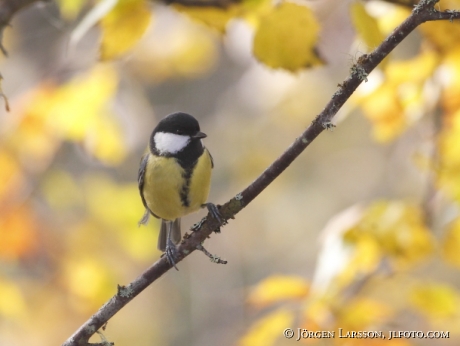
{"points": [[362, 232]]}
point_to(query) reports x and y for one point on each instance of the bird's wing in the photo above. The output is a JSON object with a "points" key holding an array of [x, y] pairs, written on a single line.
{"points": [[210, 156], [141, 176], [140, 180]]}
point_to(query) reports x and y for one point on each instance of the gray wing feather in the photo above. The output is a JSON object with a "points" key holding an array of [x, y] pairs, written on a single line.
{"points": [[212, 160], [140, 181], [141, 176]]}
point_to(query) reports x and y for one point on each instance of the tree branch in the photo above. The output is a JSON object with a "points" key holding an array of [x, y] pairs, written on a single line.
{"points": [[423, 12]]}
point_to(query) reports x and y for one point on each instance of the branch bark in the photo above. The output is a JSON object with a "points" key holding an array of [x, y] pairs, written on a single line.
{"points": [[423, 12]]}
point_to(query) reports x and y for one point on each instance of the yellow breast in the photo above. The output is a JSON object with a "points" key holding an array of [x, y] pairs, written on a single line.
{"points": [[167, 192]]}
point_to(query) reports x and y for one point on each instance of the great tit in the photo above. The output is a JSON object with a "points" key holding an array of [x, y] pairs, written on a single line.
{"points": [[174, 177]]}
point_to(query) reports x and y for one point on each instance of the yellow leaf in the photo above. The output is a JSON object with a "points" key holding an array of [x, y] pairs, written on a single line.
{"points": [[366, 257], [253, 10], [268, 329], [74, 106], [395, 16], [451, 244], [89, 280], [316, 313], [278, 288], [78, 111], [10, 175], [385, 111], [123, 27], [119, 207], [366, 26], [451, 73], [71, 8], [415, 70], [443, 35], [361, 313], [31, 139], [218, 18], [286, 38], [436, 300], [399, 101], [112, 203], [213, 17], [398, 229], [18, 233], [12, 303], [449, 5]]}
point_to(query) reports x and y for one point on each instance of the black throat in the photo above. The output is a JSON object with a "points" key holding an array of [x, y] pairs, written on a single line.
{"points": [[187, 157]]}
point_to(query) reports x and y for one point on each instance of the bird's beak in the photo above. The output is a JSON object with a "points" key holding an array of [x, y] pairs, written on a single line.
{"points": [[199, 135]]}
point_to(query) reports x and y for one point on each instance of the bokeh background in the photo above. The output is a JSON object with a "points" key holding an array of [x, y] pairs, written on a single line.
{"points": [[80, 118]]}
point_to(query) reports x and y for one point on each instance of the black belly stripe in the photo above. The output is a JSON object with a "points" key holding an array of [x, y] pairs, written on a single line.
{"points": [[187, 175], [188, 159]]}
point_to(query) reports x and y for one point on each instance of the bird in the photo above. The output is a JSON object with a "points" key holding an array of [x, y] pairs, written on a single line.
{"points": [[174, 177]]}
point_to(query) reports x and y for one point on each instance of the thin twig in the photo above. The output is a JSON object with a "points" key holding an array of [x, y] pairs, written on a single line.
{"points": [[213, 258], [423, 12]]}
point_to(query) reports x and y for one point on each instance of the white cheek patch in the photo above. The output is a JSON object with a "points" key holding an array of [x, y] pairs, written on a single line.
{"points": [[170, 143]]}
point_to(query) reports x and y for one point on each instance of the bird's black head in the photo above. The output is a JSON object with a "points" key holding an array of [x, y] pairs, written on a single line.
{"points": [[179, 123], [178, 135]]}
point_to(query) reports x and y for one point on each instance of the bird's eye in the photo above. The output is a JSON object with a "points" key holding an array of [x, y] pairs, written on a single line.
{"points": [[179, 132]]}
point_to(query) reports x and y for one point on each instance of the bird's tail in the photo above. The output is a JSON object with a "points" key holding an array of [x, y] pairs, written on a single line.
{"points": [[145, 218], [175, 233]]}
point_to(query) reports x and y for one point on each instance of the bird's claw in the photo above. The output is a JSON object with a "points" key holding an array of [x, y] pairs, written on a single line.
{"points": [[197, 226], [214, 211], [171, 253]]}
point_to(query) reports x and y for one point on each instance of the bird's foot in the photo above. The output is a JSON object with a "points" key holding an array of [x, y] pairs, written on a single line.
{"points": [[171, 253], [214, 211], [197, 226]]}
